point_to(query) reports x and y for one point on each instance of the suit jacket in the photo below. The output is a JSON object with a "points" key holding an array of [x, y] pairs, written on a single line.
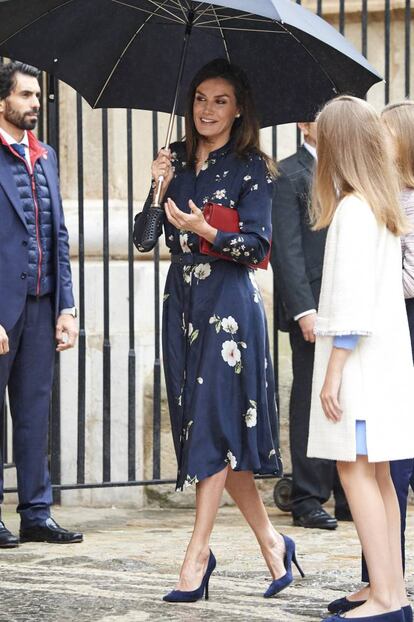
{"points": [[297, 254], [14, 243]]}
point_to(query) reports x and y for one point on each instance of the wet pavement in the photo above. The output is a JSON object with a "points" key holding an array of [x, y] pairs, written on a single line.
{"points": [[130, 558]]}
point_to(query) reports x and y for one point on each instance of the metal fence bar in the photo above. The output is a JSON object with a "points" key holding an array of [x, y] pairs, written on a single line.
{"points": [[131, 292], [106, 371], [407, 17], [342, 17], [364, 27], [387, 41], [156, 434], [80, 476], [52, 111]]}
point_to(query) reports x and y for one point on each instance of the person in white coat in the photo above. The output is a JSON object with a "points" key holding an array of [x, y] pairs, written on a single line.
{"points": [[362, 402]]}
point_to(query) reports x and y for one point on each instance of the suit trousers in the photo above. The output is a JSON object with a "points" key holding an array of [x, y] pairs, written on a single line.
{"points": [[27, 372], [312, 479]]}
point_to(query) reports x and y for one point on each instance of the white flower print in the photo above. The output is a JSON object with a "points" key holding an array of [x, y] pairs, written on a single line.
{"points": [[230, 353], [189, 481], [272, 452], [247, 178], [184, 242], [187, 274], [202, 271], [229, 325], [255, 187], [251, 416], [231, 459], [192, 333], [220, 194], [256, 295]]}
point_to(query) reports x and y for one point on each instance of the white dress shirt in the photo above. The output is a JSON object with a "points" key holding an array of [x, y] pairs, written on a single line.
{"points": [[24, 141]]}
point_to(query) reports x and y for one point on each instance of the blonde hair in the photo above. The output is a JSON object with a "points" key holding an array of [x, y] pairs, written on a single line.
{"points": [[353, 158], [399, 120]]}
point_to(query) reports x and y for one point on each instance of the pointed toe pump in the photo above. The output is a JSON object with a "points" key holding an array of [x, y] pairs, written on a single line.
{"points": [[278, 585], [392, 616], [179, 596]]}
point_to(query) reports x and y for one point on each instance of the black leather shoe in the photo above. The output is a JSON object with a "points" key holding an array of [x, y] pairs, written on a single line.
{"points": [[51, 532], [7, 539], [316, 519]]}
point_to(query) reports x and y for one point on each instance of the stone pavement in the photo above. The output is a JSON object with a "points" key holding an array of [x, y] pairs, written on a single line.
{"points": [[130, 558]]}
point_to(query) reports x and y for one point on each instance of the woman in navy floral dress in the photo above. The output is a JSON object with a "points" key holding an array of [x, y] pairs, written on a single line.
{"points": [[217, 363]]}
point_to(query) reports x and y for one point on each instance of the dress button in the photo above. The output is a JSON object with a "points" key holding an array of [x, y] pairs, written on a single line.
{"points": [[23, 275], [24, 243]]}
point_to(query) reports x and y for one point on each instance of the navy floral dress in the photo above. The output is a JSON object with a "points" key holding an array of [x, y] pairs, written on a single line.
{"points": [[218, 370]]}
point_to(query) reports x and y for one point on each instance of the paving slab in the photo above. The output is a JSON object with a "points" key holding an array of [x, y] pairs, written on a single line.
{"points": [[130, 558]]}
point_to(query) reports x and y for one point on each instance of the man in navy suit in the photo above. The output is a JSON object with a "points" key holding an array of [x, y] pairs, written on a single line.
{"points": [[37, 313]]}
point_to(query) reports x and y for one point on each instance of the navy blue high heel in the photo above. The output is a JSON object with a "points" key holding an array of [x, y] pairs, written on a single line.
{"points": [[278, 585], [392, 616], [179, 596]]}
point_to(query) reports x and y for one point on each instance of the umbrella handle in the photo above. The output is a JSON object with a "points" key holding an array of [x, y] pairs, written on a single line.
{"points": [[157, 194]]}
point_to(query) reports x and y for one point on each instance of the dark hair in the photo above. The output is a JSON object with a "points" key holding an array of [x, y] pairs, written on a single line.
{"points": [[245, 129], [8, 76]]}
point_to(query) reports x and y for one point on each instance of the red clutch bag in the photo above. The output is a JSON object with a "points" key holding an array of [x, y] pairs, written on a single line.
{"points": [[225, 219]]}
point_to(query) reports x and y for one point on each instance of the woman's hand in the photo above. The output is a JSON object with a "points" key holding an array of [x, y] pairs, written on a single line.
{"points": [[330, 395], [162, 167], [4, 341], [331, 387], [194, 221]]}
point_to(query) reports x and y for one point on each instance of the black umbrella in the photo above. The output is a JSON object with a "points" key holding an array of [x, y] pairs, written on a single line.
{"points": [[126, 53], [135, 53]]}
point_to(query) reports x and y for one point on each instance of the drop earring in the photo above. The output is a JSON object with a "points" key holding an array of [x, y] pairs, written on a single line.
{"points": [[238, 115]]}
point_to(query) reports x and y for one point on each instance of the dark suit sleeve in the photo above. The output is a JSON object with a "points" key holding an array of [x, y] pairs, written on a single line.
{"points": [[288, 258], [66, 299]]}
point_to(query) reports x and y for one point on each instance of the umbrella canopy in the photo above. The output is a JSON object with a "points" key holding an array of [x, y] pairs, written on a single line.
{"points": [[126, 53]]}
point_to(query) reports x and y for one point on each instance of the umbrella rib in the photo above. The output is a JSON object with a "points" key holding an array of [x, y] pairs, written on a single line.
{"points": [[261, 30], [335, 90], [16, 32], [179, 5], [222, 36], [174, 18], [247, 17], [162, 7], [114, 68], [208, 8]]}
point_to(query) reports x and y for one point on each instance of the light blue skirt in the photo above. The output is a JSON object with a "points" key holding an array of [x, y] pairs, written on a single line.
{"points": [[361, 438]]}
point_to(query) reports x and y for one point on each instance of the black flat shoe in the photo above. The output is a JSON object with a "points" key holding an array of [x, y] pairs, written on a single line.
{"points": [[316, 519], [50, 532], [7, 539], [341, 605]]}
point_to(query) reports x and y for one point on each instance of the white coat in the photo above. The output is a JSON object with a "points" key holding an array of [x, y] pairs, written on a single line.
{"points": [[362, 293]]}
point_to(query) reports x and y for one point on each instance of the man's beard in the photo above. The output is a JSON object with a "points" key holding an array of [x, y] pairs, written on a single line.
{"points": [[18, 119]]}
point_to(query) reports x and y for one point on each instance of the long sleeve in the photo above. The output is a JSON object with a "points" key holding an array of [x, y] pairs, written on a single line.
{"points": [[347, 304], [254, 206], [407, 244], [288, 256]]}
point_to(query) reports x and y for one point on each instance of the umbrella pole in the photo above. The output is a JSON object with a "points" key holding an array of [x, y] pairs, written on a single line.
{"points": [[190, 20]]}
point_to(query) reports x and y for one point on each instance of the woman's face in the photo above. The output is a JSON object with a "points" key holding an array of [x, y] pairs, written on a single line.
{"points": [[215, 109]]}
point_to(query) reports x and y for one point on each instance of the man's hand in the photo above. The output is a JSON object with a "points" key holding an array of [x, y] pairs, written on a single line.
{"points": [[66, 332], [4, 341], [307, 324]]}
